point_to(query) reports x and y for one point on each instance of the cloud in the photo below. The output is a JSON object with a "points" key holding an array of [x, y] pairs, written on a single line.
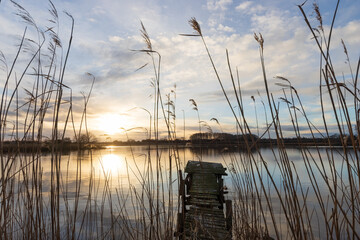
{"points": [[103, 47], [249, 8], [225, 28], [98, 10], [218, 10], [115, 39], [244, 5], [213, 5]]}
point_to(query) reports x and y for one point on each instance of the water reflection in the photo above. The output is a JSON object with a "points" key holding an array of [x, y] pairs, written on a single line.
{"points": [[113, 171], [112, 164]]}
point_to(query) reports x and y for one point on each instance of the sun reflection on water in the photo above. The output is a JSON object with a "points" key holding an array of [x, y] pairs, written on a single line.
{"points": [[112, 164]]}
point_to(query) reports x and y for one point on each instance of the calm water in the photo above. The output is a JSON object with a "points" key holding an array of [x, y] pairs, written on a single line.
{"points": [[122, 173]]}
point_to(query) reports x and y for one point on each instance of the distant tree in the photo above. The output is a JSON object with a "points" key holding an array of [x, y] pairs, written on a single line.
{"points": [[335, 136], [222, 137], [117, 141], [249, 137], [84, 139]]}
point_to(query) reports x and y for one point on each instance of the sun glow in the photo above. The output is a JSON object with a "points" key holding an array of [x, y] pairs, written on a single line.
{"points": [[112, 164], [111, 123]]}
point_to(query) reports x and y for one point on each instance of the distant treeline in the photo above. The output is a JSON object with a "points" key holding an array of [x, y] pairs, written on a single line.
{"points": [[46, 146], [209, 140], [224, 139]]}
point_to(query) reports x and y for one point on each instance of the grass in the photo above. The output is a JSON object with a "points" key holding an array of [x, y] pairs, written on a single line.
{"points": [[68, 205]]}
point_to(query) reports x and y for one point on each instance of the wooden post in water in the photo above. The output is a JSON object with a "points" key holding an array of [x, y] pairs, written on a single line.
{"points": [[228, 204], [181, 214]]}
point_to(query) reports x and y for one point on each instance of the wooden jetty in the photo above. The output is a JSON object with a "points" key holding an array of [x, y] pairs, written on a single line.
{"points": [[202, 203]]}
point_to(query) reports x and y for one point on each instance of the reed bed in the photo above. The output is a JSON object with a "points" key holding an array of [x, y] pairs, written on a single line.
{"points": [[281, 209], [70, 203]]}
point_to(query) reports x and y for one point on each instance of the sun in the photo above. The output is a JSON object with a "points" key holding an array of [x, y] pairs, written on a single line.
{"points": [[111, 123]]}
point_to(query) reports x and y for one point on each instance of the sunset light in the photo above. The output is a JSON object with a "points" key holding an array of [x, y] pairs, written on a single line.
{"points": [[111, 124], [112, 164], [155, 119]]}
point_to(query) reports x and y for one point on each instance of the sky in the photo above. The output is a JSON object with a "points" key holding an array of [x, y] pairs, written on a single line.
{"points": [[106, 33]]}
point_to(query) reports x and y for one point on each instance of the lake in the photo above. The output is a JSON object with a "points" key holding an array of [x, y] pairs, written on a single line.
{"points": [[109, 191]]}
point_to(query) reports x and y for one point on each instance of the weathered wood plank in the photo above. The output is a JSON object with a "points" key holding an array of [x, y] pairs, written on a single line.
{"points": [[205, 219], [205, 167]]}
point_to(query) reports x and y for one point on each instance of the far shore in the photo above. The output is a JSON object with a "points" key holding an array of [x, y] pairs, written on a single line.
{"points": [[48, 146]]}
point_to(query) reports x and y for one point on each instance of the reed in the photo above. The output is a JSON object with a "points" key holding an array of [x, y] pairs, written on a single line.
{"points": [[266, 207], [77, 202]]}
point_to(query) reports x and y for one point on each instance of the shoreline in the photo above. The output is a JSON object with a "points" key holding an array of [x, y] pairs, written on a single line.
{"points": [[30, 147]]}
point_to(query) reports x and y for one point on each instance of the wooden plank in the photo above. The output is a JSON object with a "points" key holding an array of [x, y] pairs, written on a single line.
{"points": [[205, 167], [204, 202], [205, 219], [207, 210], [207, 223], [202, 195]]}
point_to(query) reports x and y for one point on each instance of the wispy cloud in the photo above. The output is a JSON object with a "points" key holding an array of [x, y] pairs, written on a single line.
{"points": [[214, 5], [225, 28], [244, 5]]}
